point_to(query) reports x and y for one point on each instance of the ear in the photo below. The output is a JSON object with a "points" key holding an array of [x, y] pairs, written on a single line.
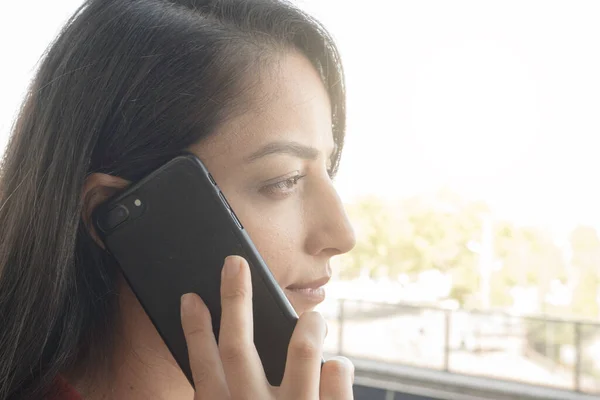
{"points": [[98, 188]]}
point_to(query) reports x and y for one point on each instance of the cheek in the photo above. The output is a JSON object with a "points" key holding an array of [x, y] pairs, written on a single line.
{"points": [[277, 234]]}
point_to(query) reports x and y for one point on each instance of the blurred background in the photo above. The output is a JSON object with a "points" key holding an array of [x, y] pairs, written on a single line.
{"points": [[470, 173]]}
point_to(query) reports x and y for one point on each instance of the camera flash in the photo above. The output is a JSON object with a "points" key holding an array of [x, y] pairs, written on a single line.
{"points": [[137, 202]]}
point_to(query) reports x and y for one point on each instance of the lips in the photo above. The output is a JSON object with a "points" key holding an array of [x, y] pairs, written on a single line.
{"points": [[307, 293], [310, 285]]}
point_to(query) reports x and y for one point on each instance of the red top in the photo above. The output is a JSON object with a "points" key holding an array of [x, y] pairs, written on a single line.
{"points": [[63, 391]]}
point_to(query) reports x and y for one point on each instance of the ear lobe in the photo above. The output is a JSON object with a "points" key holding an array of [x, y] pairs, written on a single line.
{"points": [[98, 188]]}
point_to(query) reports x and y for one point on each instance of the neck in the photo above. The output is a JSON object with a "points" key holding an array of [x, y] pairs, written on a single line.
{"points": [[142, 366]]}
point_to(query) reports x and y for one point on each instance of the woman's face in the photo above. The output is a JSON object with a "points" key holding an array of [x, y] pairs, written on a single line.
{"points": [[272, 163]]}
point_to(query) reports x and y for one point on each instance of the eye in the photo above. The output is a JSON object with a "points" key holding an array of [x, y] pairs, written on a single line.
{"points": [[283, 186]]}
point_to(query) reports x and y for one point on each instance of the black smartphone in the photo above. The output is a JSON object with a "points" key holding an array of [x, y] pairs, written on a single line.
{"points": [[170, 234]]}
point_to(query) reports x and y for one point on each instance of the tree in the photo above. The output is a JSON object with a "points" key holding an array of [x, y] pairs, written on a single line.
{"points": [[529, 257], [414, 235], [381, 235], [428, 232]]}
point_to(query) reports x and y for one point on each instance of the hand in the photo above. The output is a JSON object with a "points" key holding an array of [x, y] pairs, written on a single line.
{"points": [[232, 369]]}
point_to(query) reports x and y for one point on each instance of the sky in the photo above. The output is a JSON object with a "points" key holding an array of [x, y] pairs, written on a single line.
{"points": [[498, 100]]}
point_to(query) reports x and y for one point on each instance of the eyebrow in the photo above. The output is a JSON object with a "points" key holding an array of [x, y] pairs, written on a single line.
{"points": [[292, 148]]}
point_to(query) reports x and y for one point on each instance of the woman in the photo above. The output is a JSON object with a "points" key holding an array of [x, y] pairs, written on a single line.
{"points": [[255, 89]]}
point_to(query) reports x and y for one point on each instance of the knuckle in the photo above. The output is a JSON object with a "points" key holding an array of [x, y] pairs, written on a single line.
{"points": [[235, 294], [231, 353], [304, 349], [201, 373], [198, 327], [195, 331]]}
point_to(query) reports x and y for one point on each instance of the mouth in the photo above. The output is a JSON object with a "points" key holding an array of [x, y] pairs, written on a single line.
{"points": [[308, 292]]}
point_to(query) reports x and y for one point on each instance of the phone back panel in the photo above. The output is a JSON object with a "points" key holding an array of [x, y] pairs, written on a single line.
{"points": [[177, 243]]}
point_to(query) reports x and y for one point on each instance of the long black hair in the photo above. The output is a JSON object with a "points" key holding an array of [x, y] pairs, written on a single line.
{"points": [[125, 86]]}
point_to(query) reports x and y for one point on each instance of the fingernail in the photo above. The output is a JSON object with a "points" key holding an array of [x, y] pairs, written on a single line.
{"points": [[231, 267], [188, 304]]}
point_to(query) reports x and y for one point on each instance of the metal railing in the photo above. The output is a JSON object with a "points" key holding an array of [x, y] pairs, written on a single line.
{"points": [[552, 352]]}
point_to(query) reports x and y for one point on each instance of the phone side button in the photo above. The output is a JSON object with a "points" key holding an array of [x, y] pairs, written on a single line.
{"points": [[237, 221], [224, 200], [212, 179]]}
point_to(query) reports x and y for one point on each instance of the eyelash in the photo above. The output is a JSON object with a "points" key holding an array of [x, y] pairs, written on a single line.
{"points": [[285, 186]]}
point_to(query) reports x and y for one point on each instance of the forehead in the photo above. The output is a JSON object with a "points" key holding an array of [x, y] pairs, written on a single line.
{"points": [[286, 102]]}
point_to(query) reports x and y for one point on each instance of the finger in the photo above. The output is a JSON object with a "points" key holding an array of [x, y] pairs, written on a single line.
{"points": [[303, 364], [241, 363], [337, 377], [205, 361]]}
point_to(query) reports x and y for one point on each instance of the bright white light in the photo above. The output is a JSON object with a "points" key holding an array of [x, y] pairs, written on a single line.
{"points": [[26, 29], [496, 99]]}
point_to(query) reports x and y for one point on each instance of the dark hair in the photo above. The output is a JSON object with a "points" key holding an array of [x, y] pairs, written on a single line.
{"points": [[126, 85]]}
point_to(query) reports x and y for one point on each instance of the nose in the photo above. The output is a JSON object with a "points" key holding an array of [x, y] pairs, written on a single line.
{"points": [[330, 232]]}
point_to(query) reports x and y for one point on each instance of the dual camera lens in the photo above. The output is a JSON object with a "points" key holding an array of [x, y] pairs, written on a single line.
{"points": [[116, 217], [128, 208]]}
